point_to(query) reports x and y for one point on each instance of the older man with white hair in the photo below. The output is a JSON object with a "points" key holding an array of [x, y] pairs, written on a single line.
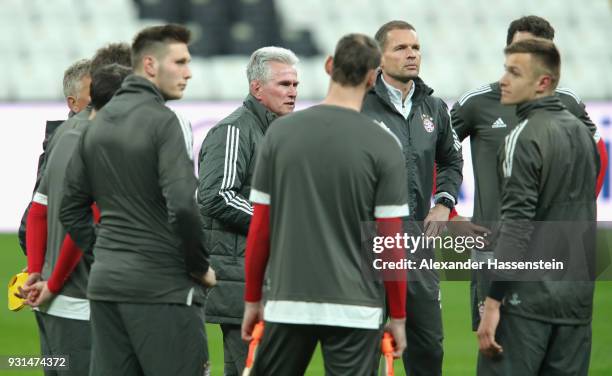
{"points": [[227, 159]]}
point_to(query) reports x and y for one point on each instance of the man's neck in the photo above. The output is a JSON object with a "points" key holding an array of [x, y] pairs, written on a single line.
{"points": [[404, 87], [345, 96], [538, 96]]}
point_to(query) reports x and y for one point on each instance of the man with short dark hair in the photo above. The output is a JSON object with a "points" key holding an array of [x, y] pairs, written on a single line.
{"points": [[62, 308], [320, 174], [402, 102], [227, 161], [134, 161], [547, 167], [480, 115]]}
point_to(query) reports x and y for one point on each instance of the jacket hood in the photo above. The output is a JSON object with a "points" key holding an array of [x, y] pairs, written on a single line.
{"points": [[550, 103], [264, 115]]}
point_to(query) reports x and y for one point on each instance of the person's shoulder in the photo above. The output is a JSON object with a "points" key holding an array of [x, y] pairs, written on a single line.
{"points": [[484, 92], [381, 131], [568, 96], [295, 118], [235, 119]]}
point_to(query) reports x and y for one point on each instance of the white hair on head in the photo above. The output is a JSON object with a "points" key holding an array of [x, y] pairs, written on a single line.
{"points": [[73, 76], [258, 67]]}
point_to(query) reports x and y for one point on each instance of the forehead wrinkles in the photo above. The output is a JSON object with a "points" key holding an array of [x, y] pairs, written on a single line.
{"points": [[281, 72]]}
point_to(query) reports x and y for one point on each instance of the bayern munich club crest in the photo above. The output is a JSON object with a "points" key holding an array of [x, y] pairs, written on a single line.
{"points": [[428, 123]]}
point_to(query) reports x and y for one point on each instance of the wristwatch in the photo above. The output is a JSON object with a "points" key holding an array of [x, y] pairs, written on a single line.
{"points": [[446, 202]]}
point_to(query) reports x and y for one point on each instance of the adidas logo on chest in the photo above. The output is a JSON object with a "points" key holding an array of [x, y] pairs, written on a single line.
{"points": [[499, 123]]}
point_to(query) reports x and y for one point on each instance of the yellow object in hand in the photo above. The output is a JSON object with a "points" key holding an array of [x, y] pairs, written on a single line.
{"points": [[15, 303]]}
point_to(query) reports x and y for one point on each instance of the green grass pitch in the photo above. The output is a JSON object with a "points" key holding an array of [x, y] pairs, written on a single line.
{"points": [[18, 333]]}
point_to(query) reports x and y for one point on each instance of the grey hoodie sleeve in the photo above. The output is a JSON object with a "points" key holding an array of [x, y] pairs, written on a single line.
{"points": [[75, 208], [178, 185], [520, 164]]}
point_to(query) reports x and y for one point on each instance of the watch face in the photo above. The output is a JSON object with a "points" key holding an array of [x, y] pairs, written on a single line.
{"points": [[446, 202]]}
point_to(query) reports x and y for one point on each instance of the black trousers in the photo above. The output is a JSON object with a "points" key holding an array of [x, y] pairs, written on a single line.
{"points": [[534, 347], [235, 350], [65, 337], [286, 349], [147, 339]]}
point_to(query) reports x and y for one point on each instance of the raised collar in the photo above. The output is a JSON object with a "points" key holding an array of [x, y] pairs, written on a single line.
{"points": [[262, 114], [550, 103]]}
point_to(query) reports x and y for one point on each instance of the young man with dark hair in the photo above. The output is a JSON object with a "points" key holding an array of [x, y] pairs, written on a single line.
{"points": [[548, 167], [478, 114], [227, 161], [134, 161], [320, 174], [402, 102], [62, 308]]}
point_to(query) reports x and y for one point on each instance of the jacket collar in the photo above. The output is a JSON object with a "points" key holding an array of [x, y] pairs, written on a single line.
{"points": [[550, 103], [138, 84], [421, 90], [262, 114]]}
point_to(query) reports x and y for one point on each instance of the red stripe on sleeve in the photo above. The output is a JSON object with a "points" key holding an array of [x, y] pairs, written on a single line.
{"points": [[96, 213], [257, 252], [394, 279], [36, 236], [603, 165]]}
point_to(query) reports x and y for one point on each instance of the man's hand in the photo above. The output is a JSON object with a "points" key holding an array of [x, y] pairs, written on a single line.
{"points": [[38, 294], [32, 279], [397, 328], [462, 226], [436, 220], [253, 313], [486, 330], [209, 279]]}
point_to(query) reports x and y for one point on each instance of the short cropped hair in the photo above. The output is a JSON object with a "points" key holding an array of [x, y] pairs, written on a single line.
{"points": [[73, 76], [105, 81], [355, 56], [119, 53], [381, 34], [539, 27], [154, 39], [258, 68], [544, 52]]}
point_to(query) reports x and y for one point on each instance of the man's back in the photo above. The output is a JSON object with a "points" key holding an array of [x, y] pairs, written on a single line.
{"points": [[328, 170], [140, 175]]}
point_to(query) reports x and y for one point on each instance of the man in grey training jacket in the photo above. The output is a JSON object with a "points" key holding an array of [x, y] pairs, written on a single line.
{"points": [[227, 161], [134, 160], [480, 115], [539, 322]]}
